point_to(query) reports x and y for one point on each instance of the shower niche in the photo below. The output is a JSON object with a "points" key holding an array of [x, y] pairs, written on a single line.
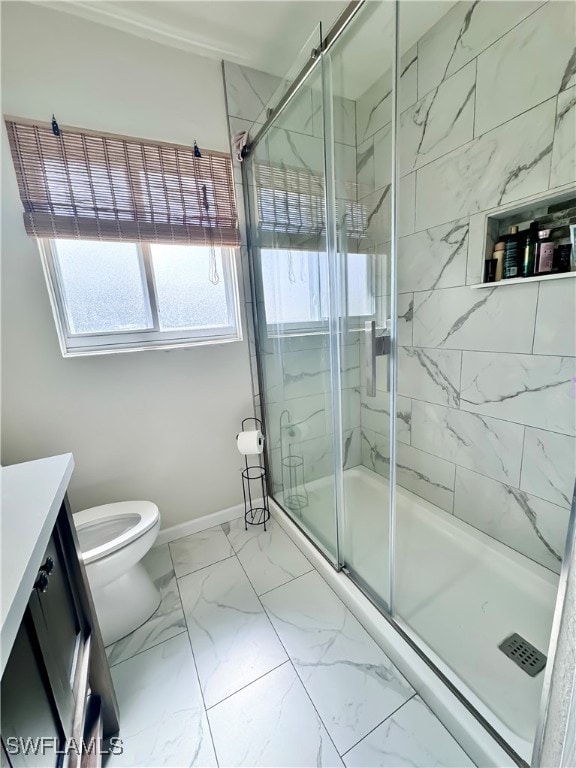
{"points": [[549, 212]]}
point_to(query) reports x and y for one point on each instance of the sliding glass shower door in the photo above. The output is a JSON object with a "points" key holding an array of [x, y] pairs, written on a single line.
{"points": [[286, 184], [321, 230]]}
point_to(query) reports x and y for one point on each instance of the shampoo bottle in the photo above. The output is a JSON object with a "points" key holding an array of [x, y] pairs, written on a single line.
{"points": [[511, 254], [530, 240]]}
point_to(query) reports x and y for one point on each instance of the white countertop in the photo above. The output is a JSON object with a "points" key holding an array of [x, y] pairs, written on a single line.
{"points": [[32, 495]]}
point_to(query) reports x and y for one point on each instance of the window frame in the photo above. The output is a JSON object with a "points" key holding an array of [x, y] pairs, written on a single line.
{"points": [[108, 342]]}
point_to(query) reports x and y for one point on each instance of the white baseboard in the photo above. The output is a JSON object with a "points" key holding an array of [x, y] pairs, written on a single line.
{"points": [[201, 523]]}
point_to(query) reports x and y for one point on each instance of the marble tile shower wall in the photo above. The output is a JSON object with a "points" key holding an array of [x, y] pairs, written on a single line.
{"points": [[486, 379], [295, 370]]}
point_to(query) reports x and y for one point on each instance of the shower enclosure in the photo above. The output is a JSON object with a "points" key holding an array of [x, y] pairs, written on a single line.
{"points": [[421, 431]]}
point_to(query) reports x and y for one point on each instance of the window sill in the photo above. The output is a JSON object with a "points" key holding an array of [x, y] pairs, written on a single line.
{"points": [[164, 347]]}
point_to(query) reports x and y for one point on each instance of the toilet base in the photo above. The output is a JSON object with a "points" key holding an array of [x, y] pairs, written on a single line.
{"points": [[125, 604]]}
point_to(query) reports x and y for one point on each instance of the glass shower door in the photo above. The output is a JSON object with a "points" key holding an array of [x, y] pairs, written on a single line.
{"points": [[285, 175], [360, 186]]}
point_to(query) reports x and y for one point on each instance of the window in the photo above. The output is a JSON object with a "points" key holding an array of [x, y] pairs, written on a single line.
{"points": [[137, 238], [295, 288], [112, 296]]}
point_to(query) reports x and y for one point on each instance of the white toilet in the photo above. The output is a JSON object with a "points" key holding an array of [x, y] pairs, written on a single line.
{"points": [[114, 538]]}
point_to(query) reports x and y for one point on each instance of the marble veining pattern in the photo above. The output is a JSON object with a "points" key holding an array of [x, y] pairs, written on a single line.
{"points": [[549, 466], [375, 414], [564, 150], [430, 374], [271, 723], [488, 446], [535, 390], [162, 715], [270, 558], [438, 123], [411, 736], [232, 639], [459, 318], [331, 690], [426, 475], [504, 89], [332, 652], [466, 30], [168, 619], [435, 258], [374, 107], [194, 552], [531, 526], [510, 169]]}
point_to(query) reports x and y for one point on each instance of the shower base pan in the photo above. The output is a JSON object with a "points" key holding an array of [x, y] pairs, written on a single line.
{"points": [[458, 595]]}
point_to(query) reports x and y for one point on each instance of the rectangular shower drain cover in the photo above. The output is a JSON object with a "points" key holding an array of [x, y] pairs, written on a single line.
{"points": [[524, 654]]}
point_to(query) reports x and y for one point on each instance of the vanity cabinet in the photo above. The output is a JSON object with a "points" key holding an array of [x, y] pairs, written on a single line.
{"points": [[56, 686]]}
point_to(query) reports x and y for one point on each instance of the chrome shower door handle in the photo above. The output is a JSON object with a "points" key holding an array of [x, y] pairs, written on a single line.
{"points": [[374, 346]]}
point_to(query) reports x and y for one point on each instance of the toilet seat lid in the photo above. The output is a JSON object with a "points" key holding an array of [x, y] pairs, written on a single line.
{"points": [[104, 529]]}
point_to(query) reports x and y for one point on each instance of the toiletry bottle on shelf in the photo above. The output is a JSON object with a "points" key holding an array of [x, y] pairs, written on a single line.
{"points": [[511, 250], [563, 256], [498, 255], [530, 240], [490, 270], [544, 253]]}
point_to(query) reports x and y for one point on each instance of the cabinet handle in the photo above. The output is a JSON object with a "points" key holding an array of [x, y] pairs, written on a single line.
{"points": [[48, 566], [42, 580]]}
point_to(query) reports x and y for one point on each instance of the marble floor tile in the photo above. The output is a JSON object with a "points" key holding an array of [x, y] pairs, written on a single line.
{"points": [[271, 723], [162, 716], [412, 736], [232, 638], [199, 550], [351, 682], [168, 619], [269, 557]]}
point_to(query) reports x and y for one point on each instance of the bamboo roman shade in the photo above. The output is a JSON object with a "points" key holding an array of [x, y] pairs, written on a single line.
{"points": [[291, 202], [98, 186]]}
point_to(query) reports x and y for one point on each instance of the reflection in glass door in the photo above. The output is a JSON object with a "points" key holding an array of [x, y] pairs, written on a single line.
{"points": [[359, 181], [285, 178]]}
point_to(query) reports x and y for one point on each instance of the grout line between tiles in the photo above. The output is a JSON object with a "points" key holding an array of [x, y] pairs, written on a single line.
{"points": [[143, 650], [290, 658], [267, 592], [198, 677], [379, 724], [203, 568], [260, 677]]}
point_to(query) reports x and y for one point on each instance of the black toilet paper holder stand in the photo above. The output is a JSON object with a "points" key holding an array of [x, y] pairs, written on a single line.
{"points": [[254, 486]]}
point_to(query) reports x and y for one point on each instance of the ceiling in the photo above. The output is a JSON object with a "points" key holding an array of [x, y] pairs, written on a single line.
{"points": [[263, 34], [267, 34]]}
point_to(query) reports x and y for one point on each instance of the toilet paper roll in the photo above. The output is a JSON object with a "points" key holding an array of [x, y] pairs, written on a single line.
{"points": [[250, 442]]}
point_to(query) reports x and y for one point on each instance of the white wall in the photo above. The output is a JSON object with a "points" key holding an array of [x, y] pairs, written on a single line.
{"points": [[131, 420]]}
